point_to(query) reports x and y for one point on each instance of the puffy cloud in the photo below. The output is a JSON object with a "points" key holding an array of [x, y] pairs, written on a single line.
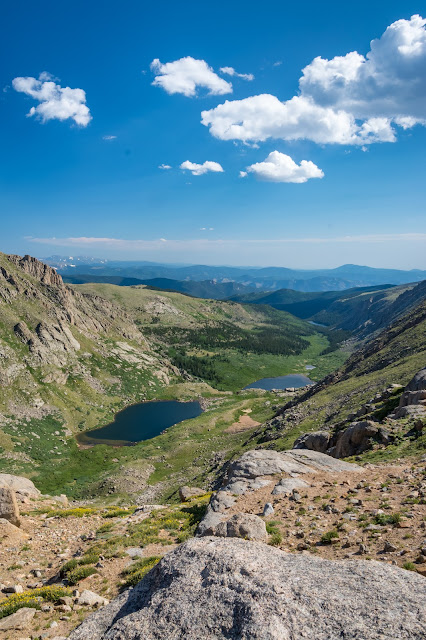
{"points": [[109, 138], [200, 169], [230, 71], [390, 81], [278, 167], [351, 99], [186, 75], [164, 166], [56, 102], [265, 116]]}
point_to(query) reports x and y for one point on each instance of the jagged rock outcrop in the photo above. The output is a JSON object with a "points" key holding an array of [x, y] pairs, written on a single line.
{"points": [[37, 269], [413, 400], [214, 588], [356, 439], [360, 436]]}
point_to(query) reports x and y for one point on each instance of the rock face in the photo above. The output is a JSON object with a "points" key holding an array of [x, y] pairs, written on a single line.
{"points": [[256, 469], [20, 485], [212, 589], [251, 471], [348, 442], [8, 506], [413, 400]]}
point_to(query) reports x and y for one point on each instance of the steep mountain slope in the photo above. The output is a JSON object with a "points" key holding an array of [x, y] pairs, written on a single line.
{"points": [[361, 311], [393, 357], [226, 343]]}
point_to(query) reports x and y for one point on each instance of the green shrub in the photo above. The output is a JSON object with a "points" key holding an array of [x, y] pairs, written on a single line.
{"points": [[410, 566], [387, 518], [139, 569], [327, 537], [32, 599], [275, 539], [276, 536], [78, 512], [118, 512], [79, 573]]}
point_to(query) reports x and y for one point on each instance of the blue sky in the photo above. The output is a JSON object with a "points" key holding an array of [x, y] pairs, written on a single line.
{"points": [[306, 173]]}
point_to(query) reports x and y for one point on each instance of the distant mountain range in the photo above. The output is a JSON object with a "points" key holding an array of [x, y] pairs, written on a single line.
{"points": [[253, 278]]}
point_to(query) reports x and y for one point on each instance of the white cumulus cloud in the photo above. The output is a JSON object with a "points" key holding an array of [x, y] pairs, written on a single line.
{"points": [[164, 166], [186, 75], [352, 99], [230, 71], [55, 102], [109, 138], [200, 169], [279, 167]]}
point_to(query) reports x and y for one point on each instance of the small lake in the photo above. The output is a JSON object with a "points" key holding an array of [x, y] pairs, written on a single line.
{"points": [[317, 324], [141, 422], [295, 380]]}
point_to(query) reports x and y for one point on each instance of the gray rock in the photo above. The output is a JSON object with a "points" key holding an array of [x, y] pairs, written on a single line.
{"points": [[135, 552], [215, 514], [22, 619], [254, 470], [263, 462], [8, 506], [221, 501], [91, 599], [413, 400], [243, 525], [358, 438], [213, 589], [268, 509], [286, 486], [317, 441], [19, 484], [187, 493], [15, 588], [418, 383]]}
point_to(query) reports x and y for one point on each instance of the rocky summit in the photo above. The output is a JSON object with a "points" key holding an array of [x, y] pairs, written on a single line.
{"points": [[212, 588]]}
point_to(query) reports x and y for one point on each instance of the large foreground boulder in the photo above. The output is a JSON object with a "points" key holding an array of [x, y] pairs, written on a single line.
{"points": [[23, 487], [213, 588]]}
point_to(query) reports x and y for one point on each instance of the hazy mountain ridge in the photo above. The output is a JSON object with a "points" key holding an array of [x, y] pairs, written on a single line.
{"points": [[361, 311], [266, 278]]}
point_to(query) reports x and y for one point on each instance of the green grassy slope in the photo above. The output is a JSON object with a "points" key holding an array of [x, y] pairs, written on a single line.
{"points": [[71, 357], [227, 344], [362, 310], [392, 358]]}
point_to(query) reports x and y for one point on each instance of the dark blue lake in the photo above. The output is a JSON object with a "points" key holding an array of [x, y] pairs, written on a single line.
{"points": [[281, 382], [141, 422]]}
